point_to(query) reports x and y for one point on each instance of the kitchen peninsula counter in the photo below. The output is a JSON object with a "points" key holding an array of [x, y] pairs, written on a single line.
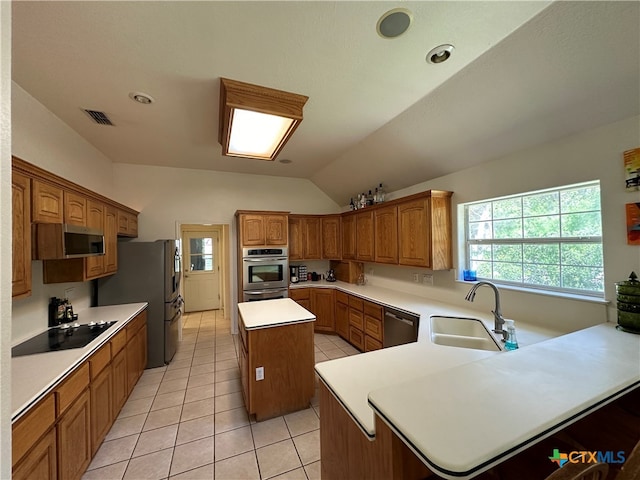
{"points": [[32, 376]]}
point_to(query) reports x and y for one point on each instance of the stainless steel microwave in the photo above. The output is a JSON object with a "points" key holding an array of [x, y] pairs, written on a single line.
{"points": [[55, 241]]}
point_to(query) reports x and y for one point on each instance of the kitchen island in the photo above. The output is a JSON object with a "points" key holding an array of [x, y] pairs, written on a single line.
{"points": [[276, 357]]}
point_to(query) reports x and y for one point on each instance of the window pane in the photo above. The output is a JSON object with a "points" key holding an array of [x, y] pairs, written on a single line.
{"points": [[542, 254], [581, 225], [585, 254], [542, 227], [511, 272], [540, 204], [202, 263], [548, 275], [580, 199], [483, 269], [509, 208], [583, 278], [507, 253], [480, 252], [507, 228], [201, 245], [479, 230], [479, 211]]}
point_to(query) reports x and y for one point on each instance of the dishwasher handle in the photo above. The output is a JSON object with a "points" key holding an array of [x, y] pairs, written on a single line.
{"points": [[400, 319]]}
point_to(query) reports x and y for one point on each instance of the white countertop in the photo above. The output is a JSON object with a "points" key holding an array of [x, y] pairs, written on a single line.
{"points": [[34, 375], [273, 313], [466, 419]]}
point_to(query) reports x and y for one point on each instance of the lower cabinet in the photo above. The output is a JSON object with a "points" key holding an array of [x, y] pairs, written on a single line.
{"points": [[322, 306], [58, 437], [342, 319]]}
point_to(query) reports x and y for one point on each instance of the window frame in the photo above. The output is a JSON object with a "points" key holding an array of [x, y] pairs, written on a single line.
{"points": [[521, 241]]}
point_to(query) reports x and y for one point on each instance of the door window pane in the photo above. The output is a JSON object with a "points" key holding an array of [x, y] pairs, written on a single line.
{"points": [[201, 254]]}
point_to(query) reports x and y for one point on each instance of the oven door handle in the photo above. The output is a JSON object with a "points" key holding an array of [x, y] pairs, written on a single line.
{"points": [[260, 292], [257, 260]]}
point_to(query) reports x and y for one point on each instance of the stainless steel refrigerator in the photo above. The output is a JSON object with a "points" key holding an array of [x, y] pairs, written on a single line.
{"points": [[149, 272]]}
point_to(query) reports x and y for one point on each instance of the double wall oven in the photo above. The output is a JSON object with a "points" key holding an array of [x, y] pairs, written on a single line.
{"points": [[265, 273]]}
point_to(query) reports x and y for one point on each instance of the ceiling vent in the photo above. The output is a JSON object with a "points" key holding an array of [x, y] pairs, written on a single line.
{"points": [[99, 117]]}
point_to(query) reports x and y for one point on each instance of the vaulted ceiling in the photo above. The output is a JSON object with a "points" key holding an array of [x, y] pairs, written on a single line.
{"points": [[522, 73]]}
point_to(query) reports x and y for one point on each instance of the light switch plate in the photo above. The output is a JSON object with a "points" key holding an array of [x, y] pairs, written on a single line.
{"points": [[259, 373]]}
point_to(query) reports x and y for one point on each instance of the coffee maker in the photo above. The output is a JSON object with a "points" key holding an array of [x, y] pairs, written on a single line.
{"points": [[293, 273]]}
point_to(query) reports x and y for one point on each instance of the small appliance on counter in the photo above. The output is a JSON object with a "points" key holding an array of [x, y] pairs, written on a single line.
{"points": [[331, 276], [628, 296], [302, 273], [293, 274]]}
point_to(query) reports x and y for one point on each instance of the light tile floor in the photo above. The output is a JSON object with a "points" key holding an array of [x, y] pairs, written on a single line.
{"points": [[188, 421]]}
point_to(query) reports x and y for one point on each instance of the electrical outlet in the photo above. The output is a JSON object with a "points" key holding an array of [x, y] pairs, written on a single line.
{"points": [[427, 278], [416, 277], [259, 373], [69, 293]]}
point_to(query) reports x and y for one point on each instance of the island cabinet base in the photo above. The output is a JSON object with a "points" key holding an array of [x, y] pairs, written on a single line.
{"points": [[347, 454], [285, 355]]}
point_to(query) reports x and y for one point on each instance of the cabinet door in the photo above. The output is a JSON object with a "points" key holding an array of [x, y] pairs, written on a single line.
{"points": [[74, 439], [312, 237], [123, 223], [349, 237], [296, 251], [371, 344], [101, 391], [75, 209], [322, 306], [331, 238], [386, 235], [275, 230], [342, 320], [364, 236], [21, 235], [47, 203], [356, 338], [119, 380], [41, 462], [133, 225], [110, 240], [413, 233], [244, 375], [252, 230], [142, 350], [94, 266], [132, 363], [356, 318]]}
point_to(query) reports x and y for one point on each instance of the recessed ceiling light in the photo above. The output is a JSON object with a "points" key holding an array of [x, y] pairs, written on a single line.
{"points": [[285, 161], [394, 23], [141, 98], [440, 54]]}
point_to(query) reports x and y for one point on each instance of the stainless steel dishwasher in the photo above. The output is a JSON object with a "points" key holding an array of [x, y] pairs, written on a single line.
{"points": [[399, 327]]}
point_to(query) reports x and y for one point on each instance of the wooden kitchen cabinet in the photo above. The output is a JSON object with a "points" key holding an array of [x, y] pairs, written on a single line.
{"points": [[94, 266], [47, 203], [74, 439], [21, 235], [322, 306], [386, 234], [331, 237], [373, 326], [305, 237], [110, 240], [364, 236], [101, 395], [127, 224], [356, 322], [136, 349], [27, 431], [75, 209], [302, 296], [425, 231], [349, 237], [119, 380], [263, 228], [342, 315], [41, 462]]}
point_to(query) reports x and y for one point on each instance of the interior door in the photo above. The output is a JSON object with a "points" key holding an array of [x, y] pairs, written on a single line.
{"points": [[201, 270]]}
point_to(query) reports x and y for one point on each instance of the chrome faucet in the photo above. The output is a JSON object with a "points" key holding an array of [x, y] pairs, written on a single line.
{"points": [[497, 313]]}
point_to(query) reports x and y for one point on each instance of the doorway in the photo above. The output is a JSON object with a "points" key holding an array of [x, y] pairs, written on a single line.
{"points": [[202, 267]]}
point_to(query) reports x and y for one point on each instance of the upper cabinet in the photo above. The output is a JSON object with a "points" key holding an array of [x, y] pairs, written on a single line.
{"points": [[48, 203], [94, 266], [21, 235], [331, 237], [364, 236], [110, 240], [261, 229], [386, 234], [349, 237], [305, 237], [127, 224], [75, 209]]}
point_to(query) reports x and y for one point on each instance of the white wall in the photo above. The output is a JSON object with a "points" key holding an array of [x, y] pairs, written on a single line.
{"points": [[41, 138], [5, 239], [590, 155], [166, 196]]}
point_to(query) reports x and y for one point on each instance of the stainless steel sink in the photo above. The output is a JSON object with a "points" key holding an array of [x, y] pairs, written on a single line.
{"points": [[462, 332]]}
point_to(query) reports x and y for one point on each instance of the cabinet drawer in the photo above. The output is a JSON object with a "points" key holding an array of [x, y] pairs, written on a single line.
{"points": [[373, 310], [356, 338], [135, 325], [31, 427], [99, 360], [72, 387], [355, 302], [371, 344], [373, 327], [118, 341], [342, 297], [356, 319], [300, 294]]}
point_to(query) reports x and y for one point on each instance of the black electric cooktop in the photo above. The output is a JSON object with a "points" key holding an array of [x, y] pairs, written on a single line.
{"points": [[61, 338]]}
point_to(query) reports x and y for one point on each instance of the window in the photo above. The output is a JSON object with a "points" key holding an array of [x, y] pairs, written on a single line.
{"points": [[549, 239]]}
